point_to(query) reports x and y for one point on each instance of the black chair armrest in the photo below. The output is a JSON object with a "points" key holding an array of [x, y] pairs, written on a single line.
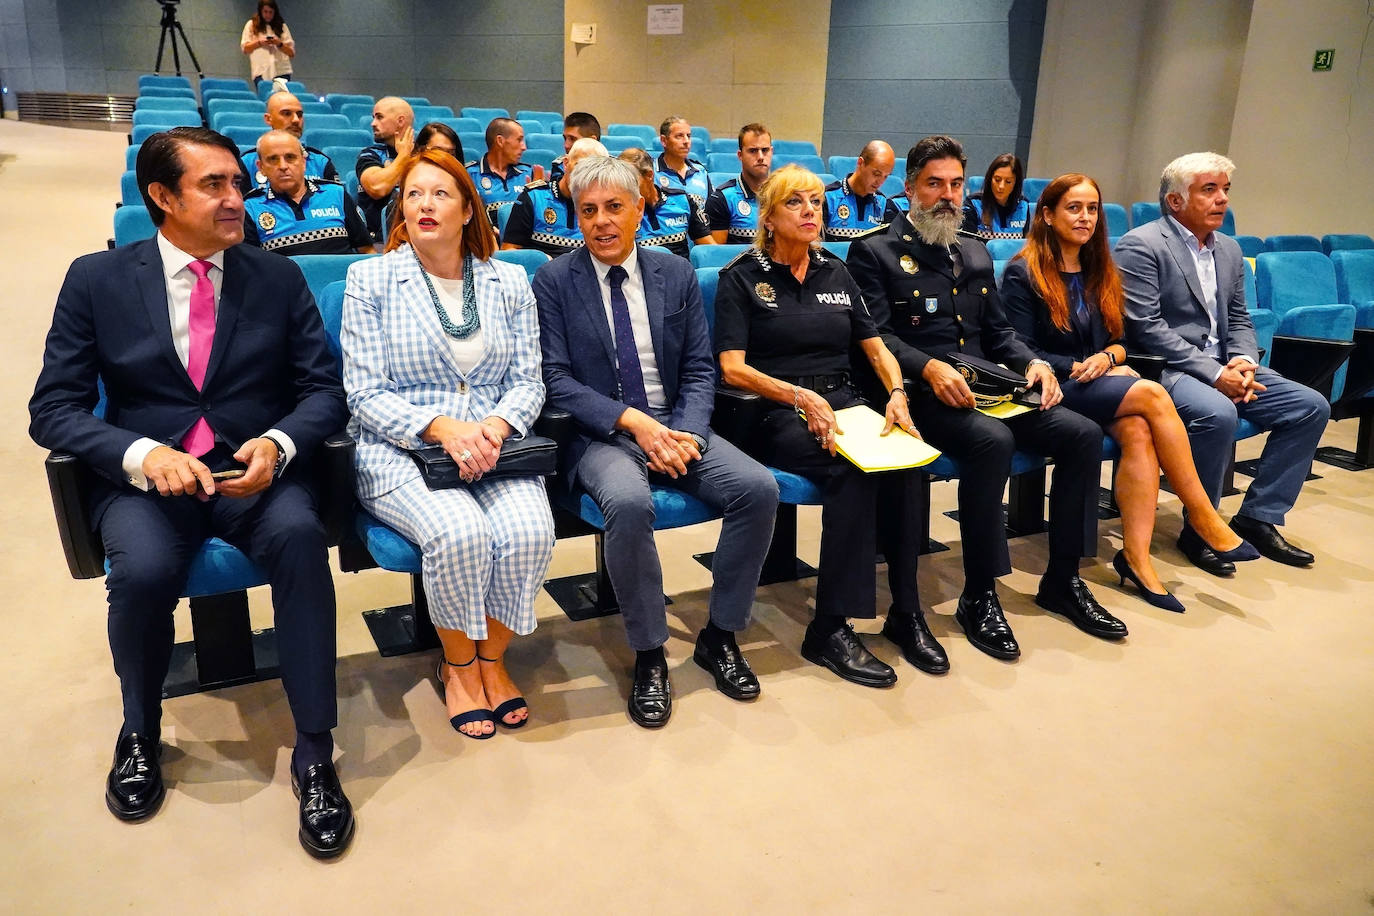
{"points": [[737, 416], [335, 476], [1309, 360], [1147, 364], [555, 423], [69, 482]]}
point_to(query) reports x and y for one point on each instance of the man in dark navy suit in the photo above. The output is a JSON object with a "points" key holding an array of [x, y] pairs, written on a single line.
{"points": [[626, 353], [213, 358]]}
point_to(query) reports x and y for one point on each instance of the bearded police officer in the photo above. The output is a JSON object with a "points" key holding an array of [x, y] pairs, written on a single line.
{"points": [[932, 293]]}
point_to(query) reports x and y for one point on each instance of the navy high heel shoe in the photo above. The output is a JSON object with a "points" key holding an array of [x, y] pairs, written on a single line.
{"points": [[1245, 551], [1164, 601]]}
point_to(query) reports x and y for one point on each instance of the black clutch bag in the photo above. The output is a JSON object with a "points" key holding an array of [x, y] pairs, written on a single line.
{"points": [[992, 384], [532, 456]]}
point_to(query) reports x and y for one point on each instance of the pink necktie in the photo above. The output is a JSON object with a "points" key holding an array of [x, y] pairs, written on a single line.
{"points": [[201, 326]]}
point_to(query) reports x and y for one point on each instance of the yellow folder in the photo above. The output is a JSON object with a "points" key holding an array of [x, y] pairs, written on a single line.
{"points": [[867, 450]]}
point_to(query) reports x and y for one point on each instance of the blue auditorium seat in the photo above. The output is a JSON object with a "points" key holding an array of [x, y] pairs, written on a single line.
{"points": [[553, 120], [336, 100], [165, 82], [320, 270], [723, 162], [218, 106], [1118, 223], [531, 126], [320, 137], [1355, 282], [245, 136], [295, 87], [213, 82], [503, 217], [794, 148], [131, 224], [528, 258], [162, 119], [807, 161], [1346, 242], [222, 120], [157, 103], [131, 156], [426, 113], [1004, 249], [1144, 211], [212, 96], [838, 249], [700, 133], [1250, 245], [617, 143], [714, 255], [1300, 288], [723, 145], [330, 121], [358, 114], [470, 126], [128, 189], [1293, 243], [485, 115], [647, 135], [1032, 188], [544, 143], [167, 92]]}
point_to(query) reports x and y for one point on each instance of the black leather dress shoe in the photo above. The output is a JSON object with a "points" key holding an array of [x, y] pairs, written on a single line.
{"points": [[134, 790], [1200, 555], [986, 627], [726, 663], [1075, 602], [651, 695], [1267, 540], [326, 815], [845, 654], [918, 644]]}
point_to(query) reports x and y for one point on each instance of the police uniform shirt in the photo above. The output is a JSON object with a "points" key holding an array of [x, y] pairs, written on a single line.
{"points": [[734, 208], [326, 221], [847, 215], [672, 220], [496, 189], [929, 301], [376, 155], [1014, 226], [543, 219], [897, 208], [786, 328], [697, 183], [317, 165]]}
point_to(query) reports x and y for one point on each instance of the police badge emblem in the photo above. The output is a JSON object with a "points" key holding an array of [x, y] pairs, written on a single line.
{"points": [[266, 221], [932, 303], [550, 215], [908, 264], [842, 211], [744, 208], [663, 181], [486, 183], [766, 294], [260, 178]]}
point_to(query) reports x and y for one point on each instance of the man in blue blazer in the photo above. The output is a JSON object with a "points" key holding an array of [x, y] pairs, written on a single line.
{"points": [[1185, 301], [626, 352], [213, 358]]}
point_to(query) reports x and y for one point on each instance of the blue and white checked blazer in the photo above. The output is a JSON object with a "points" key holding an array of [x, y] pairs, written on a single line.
{"points": [[399, 373]]}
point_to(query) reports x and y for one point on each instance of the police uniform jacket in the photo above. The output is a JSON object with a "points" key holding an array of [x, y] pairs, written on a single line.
{"points": [[543, 219], [734, 208], [848, 216], [317, 165], [376, 155], [697, 183], [672, 220], [326, 221], [1014, 226], [495, 189], [923, 310]]}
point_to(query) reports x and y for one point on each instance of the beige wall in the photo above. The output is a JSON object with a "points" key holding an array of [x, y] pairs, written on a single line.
{"points": [[733, 63], [1126, 86], [1304, 142]]}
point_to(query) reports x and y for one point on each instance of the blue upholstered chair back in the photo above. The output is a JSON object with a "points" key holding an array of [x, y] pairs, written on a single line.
{"points": [[1292, 243], [337, 100], [1250, 245], [320, 270], [1287, 280], [320, 137], [714, 255], [1346, 242], [1004, 249], [528, 258], [1118, 223], [329, 301], [1355, 282], [132, 223]]}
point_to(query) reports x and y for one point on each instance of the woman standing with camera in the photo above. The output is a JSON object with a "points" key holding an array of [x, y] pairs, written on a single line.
{"points": [[268, 43]]}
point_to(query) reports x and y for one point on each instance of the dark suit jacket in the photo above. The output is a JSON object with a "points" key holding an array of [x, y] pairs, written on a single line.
{"points": [[1165, 311], [270, 364], [1030, 316], [922, 310], [579, 350]]}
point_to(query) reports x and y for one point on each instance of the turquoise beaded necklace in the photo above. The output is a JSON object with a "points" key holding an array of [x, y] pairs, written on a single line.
{"points": [[471, 320]]}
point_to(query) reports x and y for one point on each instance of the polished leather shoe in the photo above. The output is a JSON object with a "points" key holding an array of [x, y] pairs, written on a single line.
{"points": [[845, 654], [326, 816], [726, 663], [134, 789], [918, 644], [1075, 602], [1200, 555], [1267, 540], [651, 695], [986, 627]]}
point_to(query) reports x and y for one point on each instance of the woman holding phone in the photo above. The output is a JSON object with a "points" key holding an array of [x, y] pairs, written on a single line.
{"points": [[268, 43]]}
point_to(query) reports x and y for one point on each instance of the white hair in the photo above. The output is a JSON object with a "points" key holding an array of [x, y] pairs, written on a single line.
{"points": [[1182, 172], [587, 146], [603, 171]]}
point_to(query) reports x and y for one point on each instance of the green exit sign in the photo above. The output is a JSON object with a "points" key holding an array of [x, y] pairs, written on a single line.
{"points": [[1323, 59]]}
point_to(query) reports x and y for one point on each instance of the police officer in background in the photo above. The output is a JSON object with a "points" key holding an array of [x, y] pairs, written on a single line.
{"points": [[498, 174], [297, 214], [285, 112], [676, 167], [576, 126], [544, 217], [855, 204], [671, 215], [931, 290], [732, 208], [379, 165]]}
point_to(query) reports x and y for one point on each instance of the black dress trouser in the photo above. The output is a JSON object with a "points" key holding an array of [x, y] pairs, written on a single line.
{"points": [[860, 513]]}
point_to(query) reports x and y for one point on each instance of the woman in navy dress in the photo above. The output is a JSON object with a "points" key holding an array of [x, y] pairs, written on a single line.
{"points": [[1063, 295]]}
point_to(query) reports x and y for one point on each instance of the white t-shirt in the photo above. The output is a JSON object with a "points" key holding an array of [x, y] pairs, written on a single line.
{"points": [[467, 353], [267, 61]]}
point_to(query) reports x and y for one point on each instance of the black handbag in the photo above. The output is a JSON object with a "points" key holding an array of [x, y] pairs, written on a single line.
{"points": [[992, 384], [532, 456]]}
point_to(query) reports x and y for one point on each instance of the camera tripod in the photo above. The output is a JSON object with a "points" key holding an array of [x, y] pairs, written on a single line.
{"points": [[171, 27]]}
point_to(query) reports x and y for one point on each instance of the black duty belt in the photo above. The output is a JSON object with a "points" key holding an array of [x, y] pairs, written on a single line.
{"points": [[821, 384]]}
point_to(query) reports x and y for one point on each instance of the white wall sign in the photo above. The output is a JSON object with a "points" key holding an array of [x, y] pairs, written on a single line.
{"points": [[665, 18], [583, 33]]}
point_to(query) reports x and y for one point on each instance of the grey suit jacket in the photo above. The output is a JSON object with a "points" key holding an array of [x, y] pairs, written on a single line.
{"points": [[1166, 313]]}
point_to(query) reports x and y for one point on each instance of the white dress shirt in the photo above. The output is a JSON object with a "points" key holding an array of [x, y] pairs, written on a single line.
{"points": [[633, 288], [1205, 267], [180, 282]]}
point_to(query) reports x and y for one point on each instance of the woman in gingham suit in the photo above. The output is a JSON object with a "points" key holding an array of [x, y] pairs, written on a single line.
{"points": [[441, 345]]}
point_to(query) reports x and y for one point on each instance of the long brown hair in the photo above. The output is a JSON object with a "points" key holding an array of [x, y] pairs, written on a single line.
{"points": [[261, 26], [1101, 282], [478, 236], [990, 204]]}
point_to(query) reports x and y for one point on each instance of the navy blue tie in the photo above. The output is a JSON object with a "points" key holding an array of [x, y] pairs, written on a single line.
{"points": [[626, 353]]}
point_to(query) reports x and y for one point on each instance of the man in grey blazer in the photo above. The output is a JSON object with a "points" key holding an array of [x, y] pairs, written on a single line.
{"points": [[1185, 301], [626, 352]]}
